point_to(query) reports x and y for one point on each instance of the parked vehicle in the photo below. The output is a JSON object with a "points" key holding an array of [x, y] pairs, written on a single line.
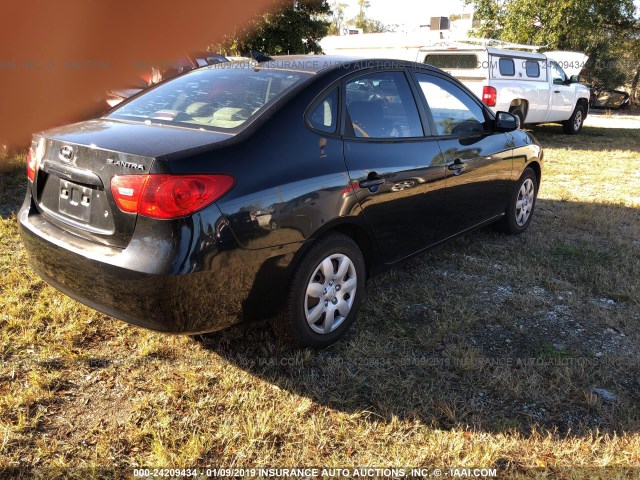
{"points": [[536, 87], [532, 86], [158, 73], [151, 214], [606, 98]]}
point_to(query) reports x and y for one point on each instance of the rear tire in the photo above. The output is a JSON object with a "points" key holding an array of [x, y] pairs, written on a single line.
{"points": [[573, 126], [521, 206], [325, 293]]}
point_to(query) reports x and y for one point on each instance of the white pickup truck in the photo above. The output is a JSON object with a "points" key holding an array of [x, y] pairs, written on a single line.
{"points": [[532, 86]]}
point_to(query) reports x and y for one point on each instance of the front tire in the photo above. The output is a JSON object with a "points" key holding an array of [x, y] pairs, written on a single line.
{"points": [[521, 206], [573, 126], [325, 293]]}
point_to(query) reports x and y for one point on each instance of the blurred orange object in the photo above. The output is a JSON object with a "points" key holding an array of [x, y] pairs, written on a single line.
{"points": [[57, 59]]}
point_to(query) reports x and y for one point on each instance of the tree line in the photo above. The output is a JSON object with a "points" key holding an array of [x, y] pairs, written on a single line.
{"points": [[606, 30]]}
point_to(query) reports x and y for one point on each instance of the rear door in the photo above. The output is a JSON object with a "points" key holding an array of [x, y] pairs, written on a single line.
{"points": [[478, 162], [394, 163]]}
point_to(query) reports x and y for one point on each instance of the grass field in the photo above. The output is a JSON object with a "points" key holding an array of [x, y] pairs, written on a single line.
{"points": [[487, 352]]}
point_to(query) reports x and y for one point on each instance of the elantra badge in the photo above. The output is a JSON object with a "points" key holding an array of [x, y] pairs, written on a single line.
{"points": [[120, 163]]}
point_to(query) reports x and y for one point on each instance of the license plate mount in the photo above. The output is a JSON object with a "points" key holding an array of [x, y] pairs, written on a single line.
{"points": [[75, 200]]}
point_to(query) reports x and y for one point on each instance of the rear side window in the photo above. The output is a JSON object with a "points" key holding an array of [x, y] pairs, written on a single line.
{"points": [[452, 61], [507, 67], [454, 112], [213, 98], [533, 68], [324, 116], [381, 105]]}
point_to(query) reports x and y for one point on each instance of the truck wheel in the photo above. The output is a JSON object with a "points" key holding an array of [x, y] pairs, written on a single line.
{"points": [[573, 126]]}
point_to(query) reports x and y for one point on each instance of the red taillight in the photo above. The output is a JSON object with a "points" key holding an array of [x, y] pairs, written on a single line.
{"points": [[32, 165], [168, 196], [489, 96]]}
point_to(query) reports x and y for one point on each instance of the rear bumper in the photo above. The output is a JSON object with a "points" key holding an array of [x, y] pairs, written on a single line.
{"points": [[197, 284]]}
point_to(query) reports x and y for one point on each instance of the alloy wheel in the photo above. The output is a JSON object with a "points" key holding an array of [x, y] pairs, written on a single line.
{"points": [[524, 202], [330, 293]]}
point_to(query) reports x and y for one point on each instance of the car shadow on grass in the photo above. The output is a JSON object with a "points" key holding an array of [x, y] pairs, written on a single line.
{"points": [[488, 332]]}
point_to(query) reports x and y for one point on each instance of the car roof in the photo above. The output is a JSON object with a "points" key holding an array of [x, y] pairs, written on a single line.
{"points": [[314, 64]]}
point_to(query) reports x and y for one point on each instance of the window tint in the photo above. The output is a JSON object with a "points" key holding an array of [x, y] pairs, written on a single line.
{"points": [[454, 111], [213, 98], [381, 106], [533, 68], [324, 116], [452, 61], [507, 67]]}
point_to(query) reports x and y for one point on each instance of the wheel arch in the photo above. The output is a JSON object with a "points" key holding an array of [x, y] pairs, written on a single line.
{"points": [[537, 169], [585, 104], [356, 231], [520, 103]]}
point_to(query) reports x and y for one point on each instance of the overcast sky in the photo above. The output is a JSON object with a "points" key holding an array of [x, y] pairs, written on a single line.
{"points": [[411, 13]]}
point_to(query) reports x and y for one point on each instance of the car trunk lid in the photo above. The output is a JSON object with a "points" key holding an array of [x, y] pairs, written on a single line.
{"points": [[72, 186]]}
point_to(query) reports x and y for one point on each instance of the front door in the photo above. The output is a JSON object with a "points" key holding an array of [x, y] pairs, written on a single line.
{"points": [[561, 94], [478, 161]]}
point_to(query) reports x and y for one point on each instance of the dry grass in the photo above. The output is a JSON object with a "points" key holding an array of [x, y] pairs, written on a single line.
{"points": [[481, 353]]}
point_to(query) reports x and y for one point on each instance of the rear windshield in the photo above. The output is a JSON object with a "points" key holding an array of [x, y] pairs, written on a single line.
{"points": [[452, 61], [211, 98]]}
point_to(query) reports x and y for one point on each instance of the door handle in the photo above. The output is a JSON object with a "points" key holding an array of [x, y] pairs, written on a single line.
{"points": [[457, 166], [371, 181], [556, 91]]}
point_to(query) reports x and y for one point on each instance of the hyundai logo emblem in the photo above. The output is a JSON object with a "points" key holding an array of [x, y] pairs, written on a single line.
{"points": [[66, 153]]}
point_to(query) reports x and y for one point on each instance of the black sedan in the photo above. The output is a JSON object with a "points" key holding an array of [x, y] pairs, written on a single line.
{"points": [[274, 190]]}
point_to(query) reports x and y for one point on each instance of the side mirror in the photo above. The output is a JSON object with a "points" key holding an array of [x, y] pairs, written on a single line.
{"points": [[505, 122], [574, 79]]}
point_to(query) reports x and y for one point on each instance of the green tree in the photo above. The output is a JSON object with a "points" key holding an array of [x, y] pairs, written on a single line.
{"points": [[296, 28], [337, 18], [368, 25]]}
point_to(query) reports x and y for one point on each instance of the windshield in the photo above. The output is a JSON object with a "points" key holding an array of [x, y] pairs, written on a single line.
{"points": [[211, 98]]}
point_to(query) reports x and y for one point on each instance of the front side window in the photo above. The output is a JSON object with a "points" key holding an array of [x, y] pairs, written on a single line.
{"points": [[454, 112], [324, 116], [557, 74], [211, 98], [381, 105]]}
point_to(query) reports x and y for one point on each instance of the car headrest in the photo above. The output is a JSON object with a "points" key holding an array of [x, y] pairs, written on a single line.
{"points": [[231, 114], [363, 111], [199, 109], [387, 86]]}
